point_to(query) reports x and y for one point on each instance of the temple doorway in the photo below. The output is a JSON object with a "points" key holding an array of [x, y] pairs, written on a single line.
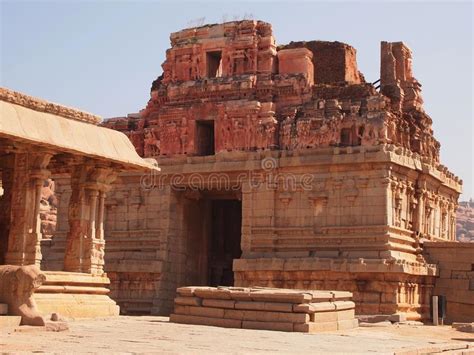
{"points": [[212, 237]]}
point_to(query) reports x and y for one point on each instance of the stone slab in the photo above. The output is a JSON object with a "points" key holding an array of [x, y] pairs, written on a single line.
{"points": [[200, 311], [314, 307], [188, 301], [265, 316], [219, 303], [315, 327], [464, 327], [9, 321], [347, 324], [278, 326], [218, 322]]}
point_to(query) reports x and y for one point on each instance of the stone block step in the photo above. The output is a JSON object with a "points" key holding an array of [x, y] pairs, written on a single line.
{"points": [[3, 309], [9, 321]]}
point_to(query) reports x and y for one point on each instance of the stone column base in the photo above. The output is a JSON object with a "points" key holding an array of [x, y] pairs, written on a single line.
{"points": [[75, 295]]}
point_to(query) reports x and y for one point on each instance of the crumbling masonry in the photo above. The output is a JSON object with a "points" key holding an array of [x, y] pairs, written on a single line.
{"points": [[281, 167]]}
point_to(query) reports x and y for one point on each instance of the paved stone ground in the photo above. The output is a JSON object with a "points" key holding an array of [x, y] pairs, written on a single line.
{"points": [[156, 335]]}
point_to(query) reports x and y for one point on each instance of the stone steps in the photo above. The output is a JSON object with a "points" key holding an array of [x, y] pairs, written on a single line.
{"points": [[7, 321]]}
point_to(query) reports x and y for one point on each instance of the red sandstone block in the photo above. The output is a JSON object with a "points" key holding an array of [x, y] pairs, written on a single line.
{"points": [[240, 296], [178, 309], [314, 307], [315, 327], [206, 312], [347, 324], [278, 307], [366, 308], [283, 327], [265, 316], [218, 303], [240, 314], [275, 296], [323, 317], [342, 295], [347, 314], [188, 301], [186, 291], [456, 265], [460, 284], [218, 322], [258, 306], [340, 305], [213, 293], [282, 317]]}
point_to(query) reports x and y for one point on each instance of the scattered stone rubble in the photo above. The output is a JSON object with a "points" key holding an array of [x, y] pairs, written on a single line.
{"points": [[287, 310]]}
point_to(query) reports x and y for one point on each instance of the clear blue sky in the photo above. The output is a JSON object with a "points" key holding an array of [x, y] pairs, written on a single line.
{"points": [[101, 56]]}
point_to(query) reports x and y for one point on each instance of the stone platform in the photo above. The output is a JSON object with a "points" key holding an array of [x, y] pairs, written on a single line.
{"points": [[265, 308], [75, 295]]}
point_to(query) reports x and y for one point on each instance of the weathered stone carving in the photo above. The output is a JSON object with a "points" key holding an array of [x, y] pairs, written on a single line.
{"points": [[17, 285], [339, 179]]}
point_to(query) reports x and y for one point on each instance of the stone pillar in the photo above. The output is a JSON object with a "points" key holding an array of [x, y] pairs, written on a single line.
{"points": [[419, 209], [28, 175], [6, 166], [85, 239]]}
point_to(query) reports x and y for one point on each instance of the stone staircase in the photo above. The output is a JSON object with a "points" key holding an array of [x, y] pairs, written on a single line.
{"points": [[7, 321]]}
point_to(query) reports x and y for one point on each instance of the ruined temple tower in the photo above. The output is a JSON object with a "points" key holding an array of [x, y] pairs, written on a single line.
{"points": [[281, 167]]}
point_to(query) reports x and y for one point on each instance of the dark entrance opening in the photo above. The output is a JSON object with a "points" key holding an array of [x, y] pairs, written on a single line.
{"points": [[213, 226], [205, 137], [224, 241], [214, 64]]}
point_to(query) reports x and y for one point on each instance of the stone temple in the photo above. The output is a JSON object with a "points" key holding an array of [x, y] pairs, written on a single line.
{"points": [[280, 167]]}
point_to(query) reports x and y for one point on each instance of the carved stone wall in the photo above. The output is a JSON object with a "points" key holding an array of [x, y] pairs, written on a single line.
{"points": [[339, 180]]}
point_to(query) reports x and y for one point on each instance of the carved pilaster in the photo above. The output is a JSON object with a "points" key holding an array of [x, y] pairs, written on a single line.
{"points": [[28, 175], [85, 239]]}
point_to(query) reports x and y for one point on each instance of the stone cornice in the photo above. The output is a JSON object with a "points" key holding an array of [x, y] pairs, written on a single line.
{"points": [[36, 104]]}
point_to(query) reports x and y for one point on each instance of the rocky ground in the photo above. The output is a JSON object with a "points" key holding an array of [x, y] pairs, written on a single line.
{"points": [[465, 221], [156, 335]]}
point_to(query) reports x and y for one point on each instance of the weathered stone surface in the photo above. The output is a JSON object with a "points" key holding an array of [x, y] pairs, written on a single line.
{"points": [[283, 316], [464, 327], [188, 301], [40, 140], [17, 285], [455, 261], [218, 303], [218, 322], [279, 326], [9, 321], [338, 181]]}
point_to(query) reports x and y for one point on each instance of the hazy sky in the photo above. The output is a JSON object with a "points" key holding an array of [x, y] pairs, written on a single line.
{"points": [[101, 56]]}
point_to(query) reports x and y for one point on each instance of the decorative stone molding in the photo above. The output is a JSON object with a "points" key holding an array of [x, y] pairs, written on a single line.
{"points": [[36, 104]]}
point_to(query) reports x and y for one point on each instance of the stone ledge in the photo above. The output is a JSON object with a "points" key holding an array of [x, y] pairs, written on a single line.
{"points": [[330, 264], [36, 104]]}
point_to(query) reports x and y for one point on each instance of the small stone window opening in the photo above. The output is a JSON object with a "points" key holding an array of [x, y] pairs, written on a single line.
{"points": [[214, 64], [205, 138]]}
